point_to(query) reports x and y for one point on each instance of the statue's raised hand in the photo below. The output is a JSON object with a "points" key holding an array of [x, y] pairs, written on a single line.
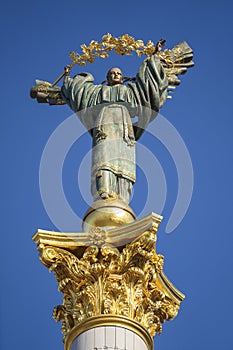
{"points": [[67, 69]]}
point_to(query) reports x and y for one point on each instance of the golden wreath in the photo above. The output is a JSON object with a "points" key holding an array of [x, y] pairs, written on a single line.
{"points": [[174, 61], [123, 45]]}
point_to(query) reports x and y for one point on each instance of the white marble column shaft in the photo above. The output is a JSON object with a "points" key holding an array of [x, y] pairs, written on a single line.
{"points": [[108, 338]]}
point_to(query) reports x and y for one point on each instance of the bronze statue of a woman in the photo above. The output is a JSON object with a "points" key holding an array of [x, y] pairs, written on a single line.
{"points": [[107, 111]]}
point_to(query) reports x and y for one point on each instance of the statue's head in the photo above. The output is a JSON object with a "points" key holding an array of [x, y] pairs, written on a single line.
{"points": [[114, 76]]}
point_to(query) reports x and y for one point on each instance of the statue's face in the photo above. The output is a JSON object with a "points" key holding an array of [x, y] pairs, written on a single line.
{"points": [[114, 76]]}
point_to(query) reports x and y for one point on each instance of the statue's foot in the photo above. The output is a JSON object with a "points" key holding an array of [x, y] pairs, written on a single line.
{"points": [[104, 195]]}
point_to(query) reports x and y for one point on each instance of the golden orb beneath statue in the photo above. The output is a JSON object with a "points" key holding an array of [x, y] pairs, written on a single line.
{"points": [[108, 214]]}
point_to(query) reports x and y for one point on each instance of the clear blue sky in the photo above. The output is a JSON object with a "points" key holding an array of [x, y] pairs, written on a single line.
{"points": [[36, 38]]}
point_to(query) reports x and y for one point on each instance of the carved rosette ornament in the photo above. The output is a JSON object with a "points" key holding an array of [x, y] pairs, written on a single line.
{"points": [[105, 280]]}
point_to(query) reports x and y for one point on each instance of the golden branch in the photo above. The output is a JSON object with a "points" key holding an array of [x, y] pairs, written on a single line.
{"points": [[123, 45]]}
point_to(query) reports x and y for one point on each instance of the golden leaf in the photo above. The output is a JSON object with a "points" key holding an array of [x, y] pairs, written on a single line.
{"points": [[127, 39], [84, 48], [139, 43], [91, 59], [150, 44], [107, 37], [72, 55], [139, 53], [103, 55]]}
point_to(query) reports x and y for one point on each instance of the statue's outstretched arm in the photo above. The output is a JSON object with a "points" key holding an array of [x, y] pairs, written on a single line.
{"points": [[44, 92], [49, 93]]}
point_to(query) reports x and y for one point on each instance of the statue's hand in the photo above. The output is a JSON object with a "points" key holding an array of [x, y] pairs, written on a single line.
{"points": [[160, 44], [67, 70]]}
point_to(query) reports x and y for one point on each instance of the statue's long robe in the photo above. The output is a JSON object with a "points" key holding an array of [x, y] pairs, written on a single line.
{"points": [[106, 111]]}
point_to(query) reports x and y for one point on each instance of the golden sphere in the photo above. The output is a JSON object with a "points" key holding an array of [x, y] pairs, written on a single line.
{"points": [[108, 213]]}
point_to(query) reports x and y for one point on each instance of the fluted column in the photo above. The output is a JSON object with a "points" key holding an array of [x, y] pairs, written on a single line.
{"points": [[109, 338]]}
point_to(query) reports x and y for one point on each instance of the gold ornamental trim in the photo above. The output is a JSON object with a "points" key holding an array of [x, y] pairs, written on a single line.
{"points": [[109, 320], [116, 236]]}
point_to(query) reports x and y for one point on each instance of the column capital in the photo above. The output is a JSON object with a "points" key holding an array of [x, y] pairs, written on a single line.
{"points": [[108, 282]]}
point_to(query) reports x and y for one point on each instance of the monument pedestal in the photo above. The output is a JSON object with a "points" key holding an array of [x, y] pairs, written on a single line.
{"points": [[112, 282]]}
